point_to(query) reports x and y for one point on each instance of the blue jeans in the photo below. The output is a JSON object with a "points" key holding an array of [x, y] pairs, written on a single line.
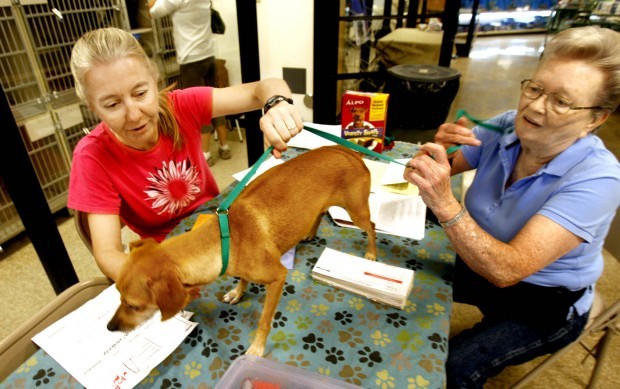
{"points": [[507, 335]]}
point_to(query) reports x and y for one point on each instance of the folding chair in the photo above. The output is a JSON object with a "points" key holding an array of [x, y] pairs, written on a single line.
{"points": [[602, 319], [16, 348]]}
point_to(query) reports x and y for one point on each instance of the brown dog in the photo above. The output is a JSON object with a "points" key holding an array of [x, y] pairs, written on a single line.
{"points": [[280, 208]]}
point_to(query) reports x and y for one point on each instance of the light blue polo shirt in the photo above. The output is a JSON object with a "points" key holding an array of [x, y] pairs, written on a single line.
{"points": [[579, 189]]}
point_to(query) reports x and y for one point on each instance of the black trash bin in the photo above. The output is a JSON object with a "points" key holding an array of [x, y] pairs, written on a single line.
{"points": [[420, 95]]}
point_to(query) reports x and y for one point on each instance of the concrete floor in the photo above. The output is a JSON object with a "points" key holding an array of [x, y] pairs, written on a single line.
{"points": [[489, 85]]}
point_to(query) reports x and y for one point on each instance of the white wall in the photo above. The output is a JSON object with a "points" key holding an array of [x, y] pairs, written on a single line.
{"points": [[285, 36], [227, 45]]}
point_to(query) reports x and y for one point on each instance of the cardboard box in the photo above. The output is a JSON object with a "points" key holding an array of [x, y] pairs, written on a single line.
{"points": [[364, 117]]}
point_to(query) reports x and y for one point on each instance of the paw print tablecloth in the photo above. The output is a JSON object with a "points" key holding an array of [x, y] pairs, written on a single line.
{"points": [[316, 327]]}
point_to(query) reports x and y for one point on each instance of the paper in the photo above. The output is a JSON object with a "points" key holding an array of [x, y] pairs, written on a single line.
{"points": [[308, 140], [377, 281], [394, 173], [392, 214], [98, 358], [388, 177]]}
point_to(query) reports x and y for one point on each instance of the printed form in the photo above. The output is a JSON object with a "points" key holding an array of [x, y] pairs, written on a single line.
{"points": [[81, 343]]}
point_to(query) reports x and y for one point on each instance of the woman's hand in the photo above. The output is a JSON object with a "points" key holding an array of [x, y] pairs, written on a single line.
{"points": [[279, 125], [430, 171], [452, 134]]}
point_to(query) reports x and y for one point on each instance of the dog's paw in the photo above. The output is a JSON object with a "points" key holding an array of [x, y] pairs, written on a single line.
{"points": [[308, 238], [232, 297], [255, 350], [370, 256]]}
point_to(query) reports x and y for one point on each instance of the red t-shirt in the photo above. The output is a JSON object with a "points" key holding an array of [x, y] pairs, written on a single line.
{"points": [[150, 190]]}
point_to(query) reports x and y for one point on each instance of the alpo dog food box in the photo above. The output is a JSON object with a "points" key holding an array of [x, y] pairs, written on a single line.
{"points": [[364, 115]]}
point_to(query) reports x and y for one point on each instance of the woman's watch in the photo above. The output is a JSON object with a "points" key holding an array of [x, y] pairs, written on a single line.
{"points": [[273, 100]]}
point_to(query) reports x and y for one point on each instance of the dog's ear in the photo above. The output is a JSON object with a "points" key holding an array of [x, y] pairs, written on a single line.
{"points": [[170, 295]]}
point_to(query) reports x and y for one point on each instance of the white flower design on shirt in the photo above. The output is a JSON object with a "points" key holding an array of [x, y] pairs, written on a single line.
{"points": [[174, 187]]}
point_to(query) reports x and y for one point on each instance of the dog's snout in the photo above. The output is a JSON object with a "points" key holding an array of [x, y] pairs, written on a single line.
{"points": [[113, 325]]}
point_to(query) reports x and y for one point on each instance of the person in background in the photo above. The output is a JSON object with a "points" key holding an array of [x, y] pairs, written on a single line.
{"points": [[143, 164], [529, 239], [195, 47]]}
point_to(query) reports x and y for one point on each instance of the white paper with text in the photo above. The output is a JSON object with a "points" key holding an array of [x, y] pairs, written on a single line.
{"points": [[81, 343], [392, 214], [375, 280]]}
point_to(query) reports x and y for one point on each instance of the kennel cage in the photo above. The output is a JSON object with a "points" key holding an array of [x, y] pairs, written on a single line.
{"points": [[35, 48]]}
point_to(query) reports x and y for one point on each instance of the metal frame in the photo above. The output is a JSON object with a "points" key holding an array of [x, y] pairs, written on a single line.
{"points": [[35, 48]]}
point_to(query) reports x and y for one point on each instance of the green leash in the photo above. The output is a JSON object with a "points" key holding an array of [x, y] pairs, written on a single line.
{"points": [[222, 210], [351, 145], [460, 113]]}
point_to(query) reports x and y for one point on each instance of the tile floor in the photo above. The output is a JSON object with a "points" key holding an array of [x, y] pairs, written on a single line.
{"points": [[489, 85]]}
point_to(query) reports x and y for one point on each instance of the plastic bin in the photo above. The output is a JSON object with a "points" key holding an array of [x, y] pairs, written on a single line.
{"points": [[248, 370], [420, 95]]}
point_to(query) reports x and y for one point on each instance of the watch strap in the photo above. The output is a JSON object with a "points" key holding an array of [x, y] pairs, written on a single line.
{"points": [[273, 100]]}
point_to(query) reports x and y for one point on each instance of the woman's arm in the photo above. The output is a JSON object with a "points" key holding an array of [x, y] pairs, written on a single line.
{"points": [[107, 243], [279, 124], [540, 242]]}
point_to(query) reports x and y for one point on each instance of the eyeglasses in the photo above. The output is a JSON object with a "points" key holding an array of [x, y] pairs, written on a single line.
{"points": [[555, 102]]}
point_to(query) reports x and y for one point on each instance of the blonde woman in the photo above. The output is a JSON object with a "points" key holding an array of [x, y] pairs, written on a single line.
{"points": [[143, 165]]}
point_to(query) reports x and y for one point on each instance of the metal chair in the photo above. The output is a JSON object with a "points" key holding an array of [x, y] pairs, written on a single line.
{"points": [[602, 319]]}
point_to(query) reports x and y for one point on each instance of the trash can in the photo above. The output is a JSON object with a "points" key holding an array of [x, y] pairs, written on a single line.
{"points": [[420, 95]]}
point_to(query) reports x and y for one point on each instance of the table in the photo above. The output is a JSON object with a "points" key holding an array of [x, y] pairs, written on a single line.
{"points": [[316, 327], [410, 46]]}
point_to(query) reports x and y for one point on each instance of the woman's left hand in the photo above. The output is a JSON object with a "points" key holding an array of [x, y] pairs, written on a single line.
{"points": [[429, 170], [279, 125]]}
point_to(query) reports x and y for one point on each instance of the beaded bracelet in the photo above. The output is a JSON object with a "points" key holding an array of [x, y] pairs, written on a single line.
{"points": [[455, 219]]}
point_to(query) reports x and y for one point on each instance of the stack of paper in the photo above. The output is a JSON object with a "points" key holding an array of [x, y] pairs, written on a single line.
{"points": [[390, 285], [392, 214], [395, 206]]}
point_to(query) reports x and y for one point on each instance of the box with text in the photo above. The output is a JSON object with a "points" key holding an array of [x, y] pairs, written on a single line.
{"points": [[364, 116]]}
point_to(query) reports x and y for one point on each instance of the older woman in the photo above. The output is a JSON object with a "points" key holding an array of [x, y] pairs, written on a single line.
{"points": [[529, 239], [143, 164]]}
